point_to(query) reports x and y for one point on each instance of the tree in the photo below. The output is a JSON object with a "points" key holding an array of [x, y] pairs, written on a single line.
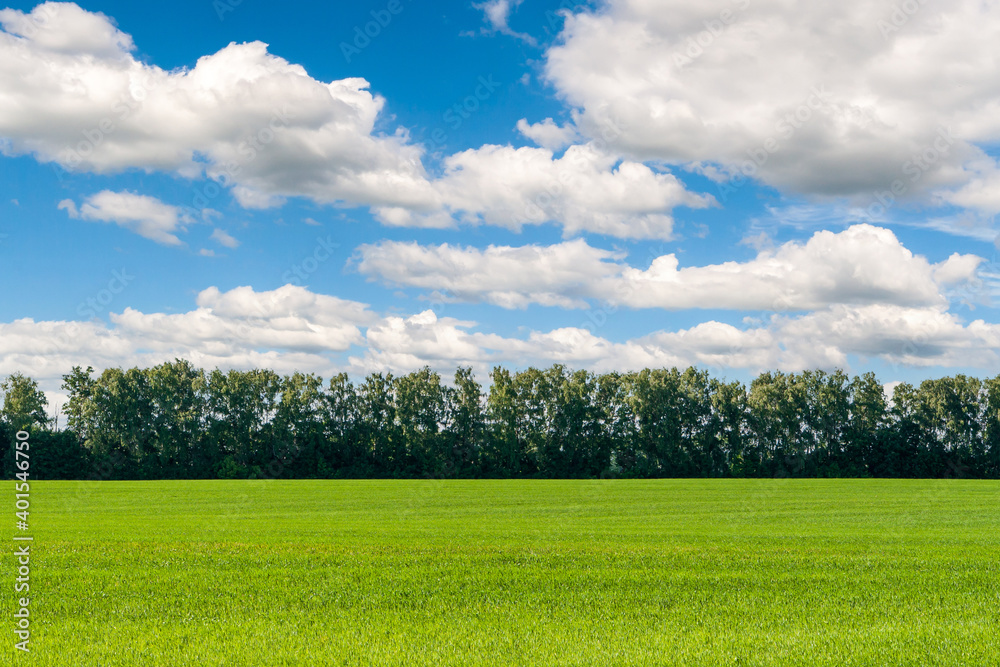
{"points": [[377, 427], [991, 427], [23, 403], [298, 425], [241, 408], [179, 407], [466, 424], [827, 421], [779, 411], [654, 397], [867, 445], [729, 405], [420, 413], [79, 408], [905, 447], [122, 425], [505, 452], [176, 421], [341, 452], [951, 419]]}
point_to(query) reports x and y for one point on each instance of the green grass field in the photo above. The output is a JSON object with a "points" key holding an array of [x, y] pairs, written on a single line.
{"points": [[670, 572]]}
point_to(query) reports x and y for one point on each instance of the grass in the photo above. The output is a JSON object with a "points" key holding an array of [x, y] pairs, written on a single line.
{"points": [[669, 572]]}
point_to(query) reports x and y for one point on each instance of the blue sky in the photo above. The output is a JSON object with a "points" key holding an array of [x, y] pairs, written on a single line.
{"points": [[608, 185]]}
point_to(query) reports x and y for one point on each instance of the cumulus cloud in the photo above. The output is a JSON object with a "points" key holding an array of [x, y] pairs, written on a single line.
{"points": [[398, 344], [263, 128], [294, 329], [860, 265], [75, 94], [560, 275], [144, 215], [547, 134], [920, 337], [286, 329], [586, 190], [982, 192], [712, 82]]}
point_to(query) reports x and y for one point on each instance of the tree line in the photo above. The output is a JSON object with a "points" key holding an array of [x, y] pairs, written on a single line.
{"points": [[175, 421]]}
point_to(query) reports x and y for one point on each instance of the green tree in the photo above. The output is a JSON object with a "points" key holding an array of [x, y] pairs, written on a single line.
{"points": [[299, 426], [867, 448], [466, 424], [79, 408], [341, 451], [377, 427], [420, 413], [179, 404], [505, 452], [122, 422], [991, 427], [23, 403], [729, 405], [241, 408]]}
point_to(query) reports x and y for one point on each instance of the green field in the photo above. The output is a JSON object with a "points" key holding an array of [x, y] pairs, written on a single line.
{"points": [[668, 572]]}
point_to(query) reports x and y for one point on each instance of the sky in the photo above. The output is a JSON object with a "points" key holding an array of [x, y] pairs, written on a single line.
{"points": [[739, 185]]}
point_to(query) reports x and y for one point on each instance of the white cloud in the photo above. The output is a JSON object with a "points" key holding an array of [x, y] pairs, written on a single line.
{"points": [[917, 337], [144, 215], [982, 192], [861, 265], [75, 94], [584, 190], [497, 15], [225, 239], [293, 329], [559, 275], [846, 115], [266, 130], [957, 269], [285, 329], [920, 337], [69, 206], [547, 134]]}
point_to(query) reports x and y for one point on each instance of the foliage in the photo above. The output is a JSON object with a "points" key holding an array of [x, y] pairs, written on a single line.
{"points": [[175, 421]]}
